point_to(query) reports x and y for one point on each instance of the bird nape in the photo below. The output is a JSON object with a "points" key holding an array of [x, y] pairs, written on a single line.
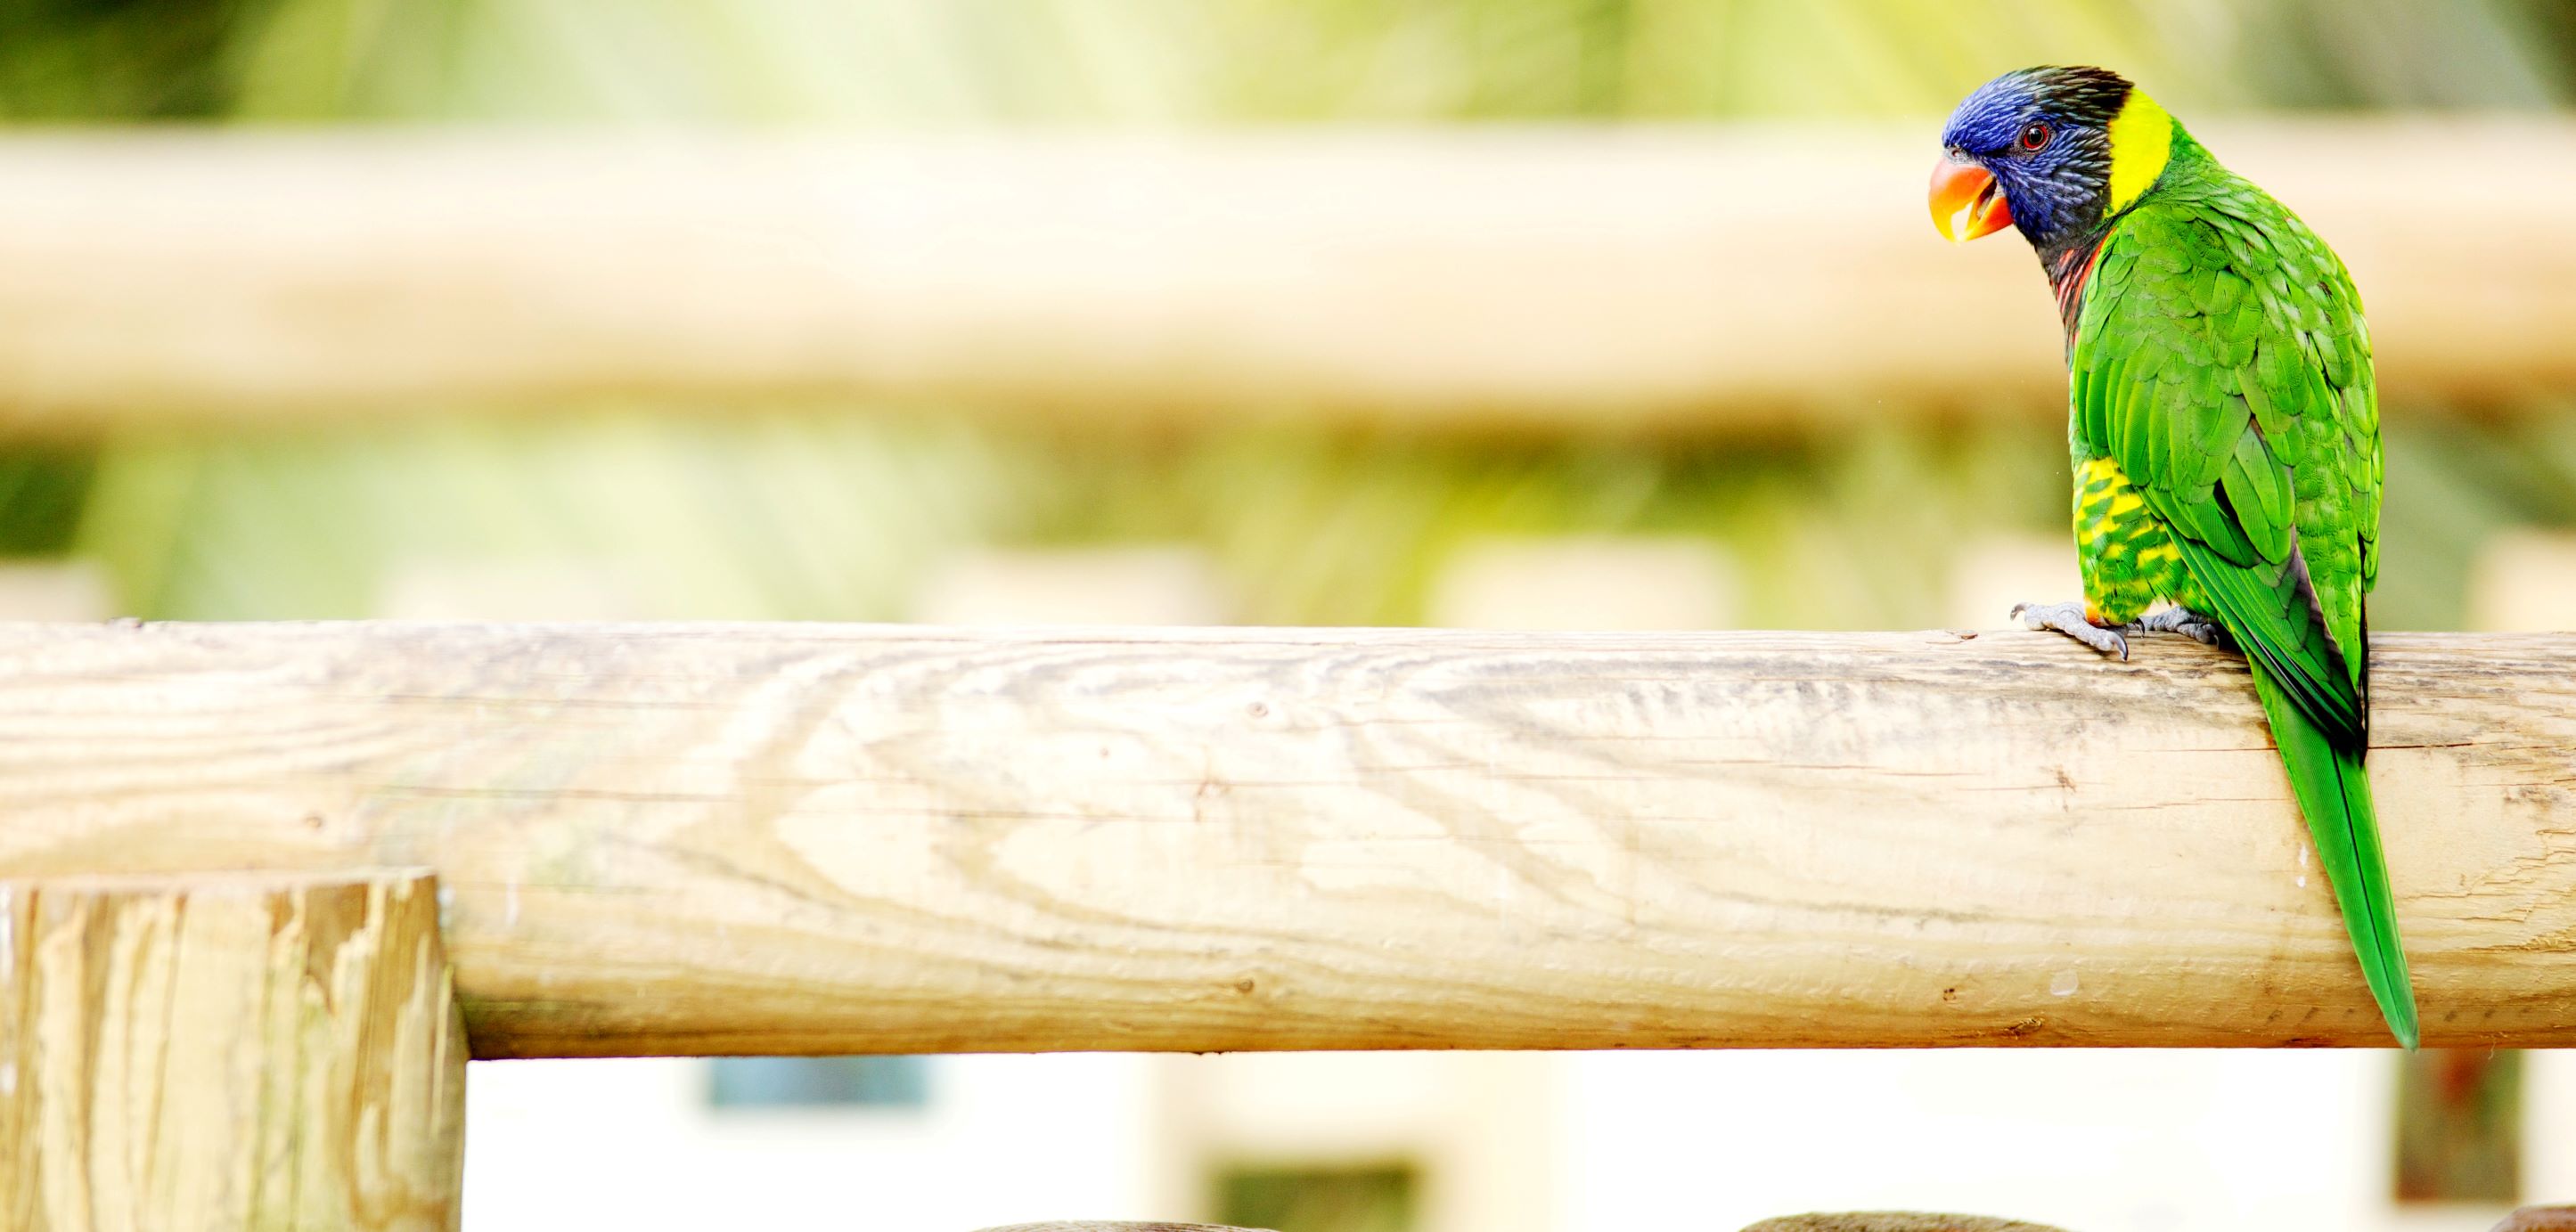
{"points": [[2224, 426]]}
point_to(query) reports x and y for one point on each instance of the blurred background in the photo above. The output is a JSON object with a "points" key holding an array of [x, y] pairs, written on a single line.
{"points": [[1526, 313]]}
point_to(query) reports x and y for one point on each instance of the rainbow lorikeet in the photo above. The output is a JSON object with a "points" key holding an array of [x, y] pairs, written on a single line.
{"points": [[2225, 429]]}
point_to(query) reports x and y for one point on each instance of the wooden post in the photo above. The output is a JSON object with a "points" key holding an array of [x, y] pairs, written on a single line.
{"points": [[229, 1050]]}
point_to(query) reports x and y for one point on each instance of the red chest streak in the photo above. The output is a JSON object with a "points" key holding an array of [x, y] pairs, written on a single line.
{"points": [[2069, 274]]}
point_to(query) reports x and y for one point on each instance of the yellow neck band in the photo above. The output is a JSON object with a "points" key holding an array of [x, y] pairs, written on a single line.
{"points": [[2141, 143]]}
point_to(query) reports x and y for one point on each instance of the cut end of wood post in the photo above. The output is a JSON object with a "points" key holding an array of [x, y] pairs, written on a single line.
{"points": [[229, 1050]]}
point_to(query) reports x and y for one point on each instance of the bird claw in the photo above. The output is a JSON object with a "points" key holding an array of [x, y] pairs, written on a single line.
{"points": [[2190, 624], [2068, 618]]}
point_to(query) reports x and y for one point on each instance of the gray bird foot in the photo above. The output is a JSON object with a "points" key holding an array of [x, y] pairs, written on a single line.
{"points": [[2068, 618], [2190, 624]]}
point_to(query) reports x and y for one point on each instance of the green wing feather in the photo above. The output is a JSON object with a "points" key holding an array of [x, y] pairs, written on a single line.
{"points": [[2220, 359]]}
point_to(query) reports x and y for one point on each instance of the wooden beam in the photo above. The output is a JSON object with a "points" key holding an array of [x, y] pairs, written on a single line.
{"points": [[228, 1050], [1677, 278], [791, 838]]}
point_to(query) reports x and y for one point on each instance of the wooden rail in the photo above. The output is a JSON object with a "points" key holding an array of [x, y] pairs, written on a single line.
{"points": [[1560, 278], [789, 838]]}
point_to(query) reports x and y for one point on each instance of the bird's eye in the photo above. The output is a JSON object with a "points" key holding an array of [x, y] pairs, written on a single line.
{"points": [[2036, 135]]}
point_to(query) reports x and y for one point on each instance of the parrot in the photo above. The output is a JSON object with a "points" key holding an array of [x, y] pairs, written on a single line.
{"points": [[2223, 423]]}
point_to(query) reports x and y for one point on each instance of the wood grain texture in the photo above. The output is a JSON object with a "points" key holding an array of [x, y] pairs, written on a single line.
{"points": [[791, 838], [228, 1051], [1551, 278]]}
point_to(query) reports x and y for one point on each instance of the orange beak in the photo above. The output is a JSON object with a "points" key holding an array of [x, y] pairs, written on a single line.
{"points": [[1966, 201]]}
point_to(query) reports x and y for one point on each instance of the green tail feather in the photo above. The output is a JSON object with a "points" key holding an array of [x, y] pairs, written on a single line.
{"points": [[2334, 795]]}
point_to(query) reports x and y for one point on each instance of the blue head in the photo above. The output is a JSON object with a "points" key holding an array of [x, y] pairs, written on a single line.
{"points": [[2054, 151]]}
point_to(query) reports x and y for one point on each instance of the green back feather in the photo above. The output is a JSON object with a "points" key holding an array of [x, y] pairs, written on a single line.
{"points": [[2220, 359]]}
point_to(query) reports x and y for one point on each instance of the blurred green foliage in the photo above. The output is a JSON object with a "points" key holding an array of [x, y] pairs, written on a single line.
{"points": [[1183, 61], [42, 492], [1149, 61], [120, 59], [811, 515], [1366, 1199], [815, 513]]}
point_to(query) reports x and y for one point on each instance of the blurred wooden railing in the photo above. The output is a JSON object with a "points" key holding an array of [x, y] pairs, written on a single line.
{"points": [[1671, 278]]}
